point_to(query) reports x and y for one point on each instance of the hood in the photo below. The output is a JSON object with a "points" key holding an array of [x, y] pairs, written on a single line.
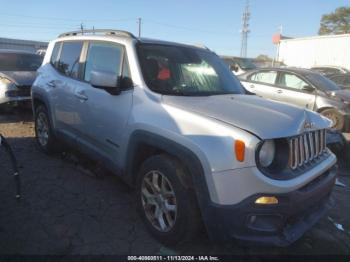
{"points": [[343, 94], [264, 118], [20, 78]]}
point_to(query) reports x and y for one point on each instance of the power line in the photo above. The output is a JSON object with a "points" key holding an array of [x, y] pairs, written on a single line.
{"points": [[183, 27], [67, 19]]}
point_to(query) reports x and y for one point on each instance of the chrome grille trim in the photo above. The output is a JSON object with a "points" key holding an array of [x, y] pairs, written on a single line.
{"points": [[306, 147], [301, 151]]}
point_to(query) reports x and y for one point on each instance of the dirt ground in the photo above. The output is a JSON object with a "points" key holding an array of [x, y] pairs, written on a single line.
{"points": [[70, 206]]}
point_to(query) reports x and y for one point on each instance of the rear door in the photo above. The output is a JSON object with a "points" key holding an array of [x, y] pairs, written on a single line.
{"points": [[292, 90], [63, 86], [262, 83]]}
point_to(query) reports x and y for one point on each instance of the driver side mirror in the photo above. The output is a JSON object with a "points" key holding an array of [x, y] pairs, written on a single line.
{"points": [[234, 68], [308, 88], [105, 80]]}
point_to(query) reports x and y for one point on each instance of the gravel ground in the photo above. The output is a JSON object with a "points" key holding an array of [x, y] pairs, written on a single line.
{"points": [[70, 206]]}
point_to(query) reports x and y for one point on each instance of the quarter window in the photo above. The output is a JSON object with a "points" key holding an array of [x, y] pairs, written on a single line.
{"points": [[265, 77], [69, 61], [291, 81], [103, 57], [55, 53]]}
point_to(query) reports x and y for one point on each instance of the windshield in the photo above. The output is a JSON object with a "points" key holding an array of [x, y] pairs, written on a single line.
{"points": [[176, 70], [245, 63], [322, 82], [19, 62]]}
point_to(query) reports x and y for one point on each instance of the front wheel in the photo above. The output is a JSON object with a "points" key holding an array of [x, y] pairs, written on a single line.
{"points": [[167, 206], [336, 117]]}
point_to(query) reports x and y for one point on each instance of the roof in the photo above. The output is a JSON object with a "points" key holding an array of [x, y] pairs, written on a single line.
{"points": [[113, 34], [329, 66], [297, 70], [13, 51], [315, 37]]}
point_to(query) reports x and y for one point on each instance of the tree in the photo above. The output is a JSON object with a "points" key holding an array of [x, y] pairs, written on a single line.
{"points": [[335, 23], [263, 58]]}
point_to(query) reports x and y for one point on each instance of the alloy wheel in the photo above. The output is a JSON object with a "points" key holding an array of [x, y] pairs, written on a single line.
{"points": [[42, 129], [159, 201]]}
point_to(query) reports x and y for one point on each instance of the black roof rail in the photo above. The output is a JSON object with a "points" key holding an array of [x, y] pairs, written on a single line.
{"points": [[98, 31]]}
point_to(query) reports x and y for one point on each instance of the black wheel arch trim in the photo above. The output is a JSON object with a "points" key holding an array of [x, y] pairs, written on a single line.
{"points": [[182, 153], [45, 101]]}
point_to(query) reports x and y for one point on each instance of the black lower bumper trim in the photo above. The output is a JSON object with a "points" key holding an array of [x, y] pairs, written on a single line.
{"points": [[280, 224]]}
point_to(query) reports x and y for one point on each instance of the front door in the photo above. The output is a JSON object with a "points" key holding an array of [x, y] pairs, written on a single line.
{"points": [[104, 115], [293, 89]]}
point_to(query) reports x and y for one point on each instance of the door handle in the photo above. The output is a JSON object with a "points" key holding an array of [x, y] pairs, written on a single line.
{"points": [[52, 84], [279, 91], [81, 96]]}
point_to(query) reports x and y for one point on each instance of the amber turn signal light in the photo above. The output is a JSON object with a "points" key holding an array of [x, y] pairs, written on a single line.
{"points": [[239, 150], [265, 200]]}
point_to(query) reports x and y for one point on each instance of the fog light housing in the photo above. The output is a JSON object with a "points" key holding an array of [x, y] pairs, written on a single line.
{"points": [[267, 200]]}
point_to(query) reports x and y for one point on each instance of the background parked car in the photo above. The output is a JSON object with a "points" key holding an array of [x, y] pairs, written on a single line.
{"points": [[328, 70], [342, 80], [304, 88], [17, 74], [239, 65]]}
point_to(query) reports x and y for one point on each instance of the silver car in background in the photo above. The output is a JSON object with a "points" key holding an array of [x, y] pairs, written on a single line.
{"points": [[303, 88], [17, 74]]}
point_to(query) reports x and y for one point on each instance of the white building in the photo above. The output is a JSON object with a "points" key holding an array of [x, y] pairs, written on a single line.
{"points": [[23, 45], [318, 50]]}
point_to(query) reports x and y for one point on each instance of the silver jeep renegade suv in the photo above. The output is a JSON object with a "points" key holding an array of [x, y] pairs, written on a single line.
{"points": [[173, 122]]}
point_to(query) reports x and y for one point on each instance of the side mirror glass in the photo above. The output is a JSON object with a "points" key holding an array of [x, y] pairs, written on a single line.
{"points": [[308, 88], [105, 80], [234, 67]]}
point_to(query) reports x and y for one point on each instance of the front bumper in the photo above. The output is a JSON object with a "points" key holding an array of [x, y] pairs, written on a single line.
{"points": [[14, 101], [280, 224]]}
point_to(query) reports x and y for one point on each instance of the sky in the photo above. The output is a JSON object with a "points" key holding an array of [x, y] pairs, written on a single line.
{"points": [[215, 24]]}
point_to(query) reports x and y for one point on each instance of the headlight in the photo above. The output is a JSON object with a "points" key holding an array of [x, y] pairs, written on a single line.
{"points": [[267, 153], [5, 81], [6, 84]]}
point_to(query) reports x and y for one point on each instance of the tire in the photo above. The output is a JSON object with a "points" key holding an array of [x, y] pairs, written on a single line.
{"points": [[44, 135], [336, 117], [183, 222]]}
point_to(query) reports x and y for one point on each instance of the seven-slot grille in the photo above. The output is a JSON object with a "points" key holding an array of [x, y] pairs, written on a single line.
{"points": [[306, 147]]}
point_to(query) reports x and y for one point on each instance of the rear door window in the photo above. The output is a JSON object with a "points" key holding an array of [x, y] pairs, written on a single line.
{"points": [[339, 80], [69, 61], [105, 57], [346, 80], [267, 77]]}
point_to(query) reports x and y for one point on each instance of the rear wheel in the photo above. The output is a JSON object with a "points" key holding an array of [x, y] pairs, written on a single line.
{"points": [[336, 117], [168, 207], [43, 131]]}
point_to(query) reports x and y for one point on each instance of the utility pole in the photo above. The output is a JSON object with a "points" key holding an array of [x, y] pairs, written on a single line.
{"points": [[139, 22], [276, 59], [245, 30], [82, 28]]}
